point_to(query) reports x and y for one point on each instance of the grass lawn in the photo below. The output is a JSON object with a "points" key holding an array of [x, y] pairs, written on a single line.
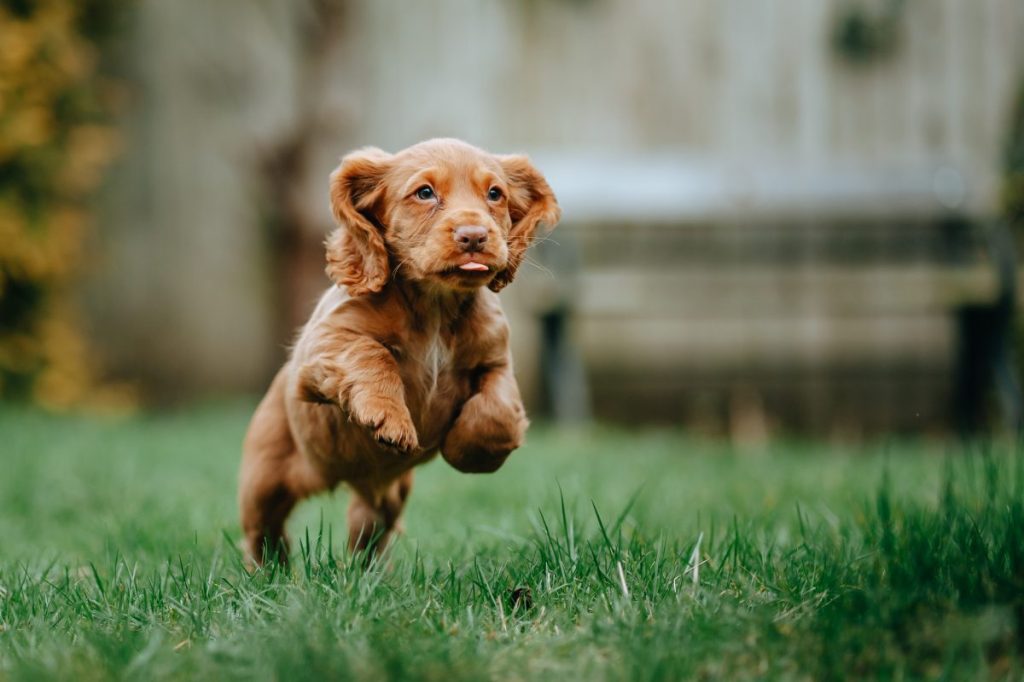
{"points": [[646, 555]]}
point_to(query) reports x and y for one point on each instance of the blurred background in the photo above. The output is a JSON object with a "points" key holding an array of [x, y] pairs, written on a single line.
{"points": [[795, 217]]}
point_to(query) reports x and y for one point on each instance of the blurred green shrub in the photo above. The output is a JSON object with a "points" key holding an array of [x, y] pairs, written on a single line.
{"points": [[1012, 201], [1013, 186], [56, 140], [864, 33]]}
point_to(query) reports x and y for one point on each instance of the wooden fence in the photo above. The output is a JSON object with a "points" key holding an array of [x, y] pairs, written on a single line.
{"points": [[200, 274]]}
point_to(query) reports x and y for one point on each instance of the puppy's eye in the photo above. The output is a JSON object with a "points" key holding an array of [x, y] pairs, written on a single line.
{"points": [[494, 194], [425, 193]]}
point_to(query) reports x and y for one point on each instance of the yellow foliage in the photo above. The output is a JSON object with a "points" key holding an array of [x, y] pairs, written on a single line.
{"points": [[56, 141]]}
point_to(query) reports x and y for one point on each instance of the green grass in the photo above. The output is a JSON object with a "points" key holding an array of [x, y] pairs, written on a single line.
{"points": [[900, 561]]}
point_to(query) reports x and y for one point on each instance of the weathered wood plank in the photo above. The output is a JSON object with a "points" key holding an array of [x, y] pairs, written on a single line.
{"points": [[759, 292], [737, 344]]}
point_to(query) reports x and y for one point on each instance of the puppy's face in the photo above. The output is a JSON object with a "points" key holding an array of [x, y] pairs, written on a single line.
{"points": [[449, 215], [441, 212]]}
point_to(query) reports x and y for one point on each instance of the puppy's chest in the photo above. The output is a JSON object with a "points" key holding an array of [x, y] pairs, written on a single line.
{"points": [[435, 377]]}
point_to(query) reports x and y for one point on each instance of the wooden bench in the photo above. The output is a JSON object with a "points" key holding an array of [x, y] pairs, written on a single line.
{"points": [[829, 300]]}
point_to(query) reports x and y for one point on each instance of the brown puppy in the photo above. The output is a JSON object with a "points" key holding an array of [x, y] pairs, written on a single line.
{"points": [[409, 353]]}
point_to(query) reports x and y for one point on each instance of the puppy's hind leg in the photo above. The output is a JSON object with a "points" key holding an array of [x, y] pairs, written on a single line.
{"points": [[274, 477], [374, 517]]}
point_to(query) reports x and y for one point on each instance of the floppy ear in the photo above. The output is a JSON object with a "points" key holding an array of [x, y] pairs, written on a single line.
{"points": [[356, 255], [530, 204]]}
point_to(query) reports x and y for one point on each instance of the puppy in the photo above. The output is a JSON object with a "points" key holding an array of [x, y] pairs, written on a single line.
{"points": [[408, 355]]}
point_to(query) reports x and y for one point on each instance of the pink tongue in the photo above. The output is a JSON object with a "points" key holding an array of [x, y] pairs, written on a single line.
{"points": [[473, 265]]}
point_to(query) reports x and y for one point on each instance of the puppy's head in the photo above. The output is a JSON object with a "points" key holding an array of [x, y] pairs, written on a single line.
{"points": [[441, 212]]}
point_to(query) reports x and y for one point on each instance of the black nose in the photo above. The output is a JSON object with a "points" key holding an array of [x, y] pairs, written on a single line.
{"points": [[471, 238]]}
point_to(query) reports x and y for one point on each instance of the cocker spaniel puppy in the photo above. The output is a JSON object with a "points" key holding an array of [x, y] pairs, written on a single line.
{"points": [[408, 355]]}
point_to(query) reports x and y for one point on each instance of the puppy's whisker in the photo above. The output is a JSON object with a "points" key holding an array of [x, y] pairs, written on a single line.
{"points": [[529, 261], [398, 266]]}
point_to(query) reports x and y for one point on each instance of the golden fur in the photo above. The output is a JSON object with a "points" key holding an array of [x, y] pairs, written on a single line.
{"points": [[409, 354]]}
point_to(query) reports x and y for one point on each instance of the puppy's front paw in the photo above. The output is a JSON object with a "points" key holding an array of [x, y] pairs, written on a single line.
{"points": [[388, 422], [483, 437], [397, 434]]}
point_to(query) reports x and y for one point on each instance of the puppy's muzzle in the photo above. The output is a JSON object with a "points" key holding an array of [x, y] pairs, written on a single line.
{"points": [[470, 238]]}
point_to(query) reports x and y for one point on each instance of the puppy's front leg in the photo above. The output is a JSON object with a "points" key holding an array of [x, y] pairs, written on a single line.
{"points": [[363, 380], [491, 424]]}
